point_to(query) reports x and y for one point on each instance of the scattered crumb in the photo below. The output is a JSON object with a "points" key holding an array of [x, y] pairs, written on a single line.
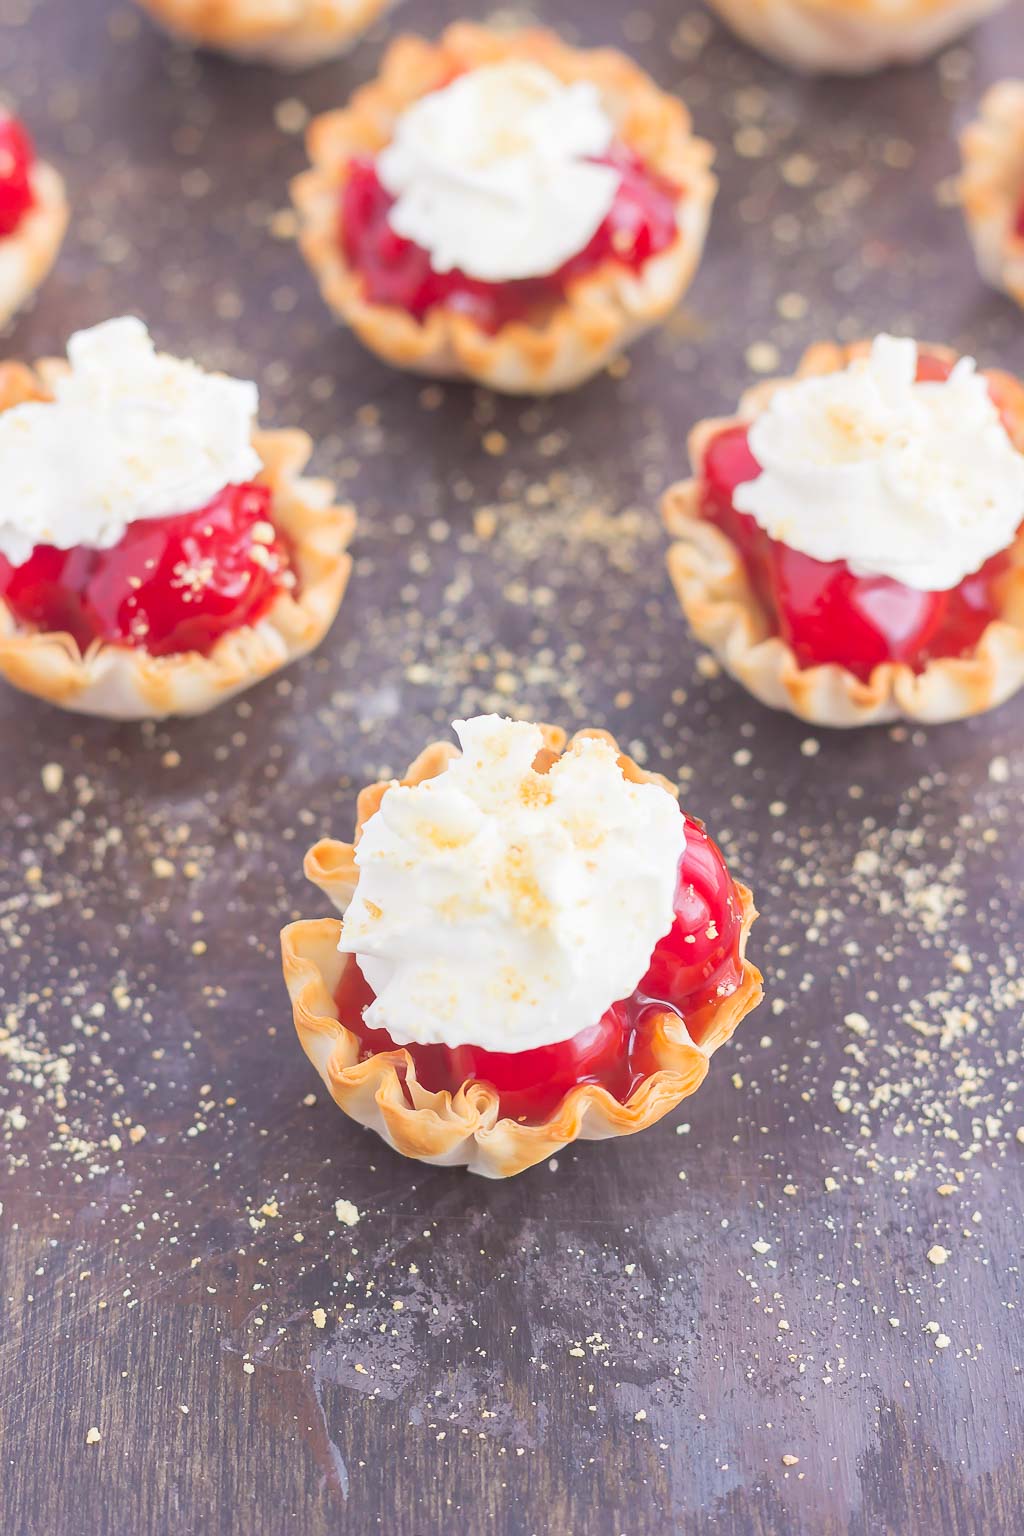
{"points": [[291, 115], [762, 357], [346, 1212]]}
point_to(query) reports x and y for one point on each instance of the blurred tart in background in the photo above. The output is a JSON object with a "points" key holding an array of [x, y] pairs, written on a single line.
{"points": [[537, 945], [850, 546], [850, 37], [158, 551], [992, 186], [33, 217], [293, 34], [503, 208]]}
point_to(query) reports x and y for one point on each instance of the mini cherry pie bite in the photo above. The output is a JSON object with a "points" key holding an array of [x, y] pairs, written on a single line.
{"points": [[992, 186], [851, 546], [293, 34], [850, 37], [503, 208], [158, 553], [33, 217], [538, 945]]}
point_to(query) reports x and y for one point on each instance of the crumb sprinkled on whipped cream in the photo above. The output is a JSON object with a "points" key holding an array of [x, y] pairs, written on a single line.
{"points": [[506, 907]]}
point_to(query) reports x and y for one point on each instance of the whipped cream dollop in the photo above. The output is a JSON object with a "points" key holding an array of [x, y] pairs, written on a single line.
{"points": [[505, 908], [490, 174], [130, 434], [918, 482]]}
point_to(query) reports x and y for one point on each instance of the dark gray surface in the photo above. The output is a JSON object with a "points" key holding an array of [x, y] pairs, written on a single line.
{"points": [[599, 1349]]}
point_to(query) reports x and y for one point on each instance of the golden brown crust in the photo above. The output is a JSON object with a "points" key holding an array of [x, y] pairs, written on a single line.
{"points": [[19, 383], [992, 186], [850, 37], [27, 254], [602, 311], [123, 683], [464, 1128], [725, 614], [293, 34]]}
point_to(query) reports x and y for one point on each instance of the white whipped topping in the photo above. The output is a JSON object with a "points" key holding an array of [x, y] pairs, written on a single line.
{"points": [[918, 482], [490, 173], [130, 434], [505, 908]]}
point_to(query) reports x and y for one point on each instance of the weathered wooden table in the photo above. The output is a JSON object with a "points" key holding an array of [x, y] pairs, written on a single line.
{"points": [[729, 1325]]}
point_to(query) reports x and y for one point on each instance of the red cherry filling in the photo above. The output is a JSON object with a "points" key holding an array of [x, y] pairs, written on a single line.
{"points": [[820, 608], [640, 223], [172, 583], [694, 966], [17, 158]]}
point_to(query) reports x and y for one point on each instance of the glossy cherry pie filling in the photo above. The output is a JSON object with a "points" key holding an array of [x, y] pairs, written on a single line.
{"points": [[640, 224], [171, 584], [822, 610], [692, 969], [17, 157]]}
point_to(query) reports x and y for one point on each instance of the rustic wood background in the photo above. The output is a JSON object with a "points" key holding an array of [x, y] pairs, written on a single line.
{"points": [[727, 1326]]}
